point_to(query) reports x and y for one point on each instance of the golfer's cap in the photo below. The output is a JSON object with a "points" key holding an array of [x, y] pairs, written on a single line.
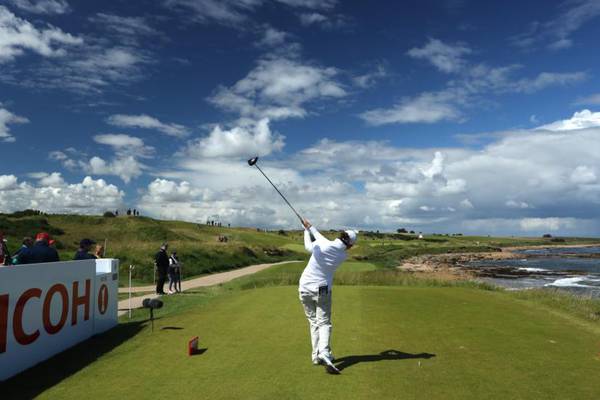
{"points": [[352, 234], [86, 242], [42, 236]]}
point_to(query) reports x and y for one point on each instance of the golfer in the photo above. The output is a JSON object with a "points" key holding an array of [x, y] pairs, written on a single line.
{"points": [[315, 288]]}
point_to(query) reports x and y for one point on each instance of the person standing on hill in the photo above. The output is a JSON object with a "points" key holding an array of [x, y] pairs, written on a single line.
{"points": [[83, 252], [174, 274], [315, 288], [161, 260], [5, 258], [40, 252]]}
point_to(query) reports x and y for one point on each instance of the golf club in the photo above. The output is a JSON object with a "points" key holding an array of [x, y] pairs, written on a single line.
{"points": [[253, 162]]}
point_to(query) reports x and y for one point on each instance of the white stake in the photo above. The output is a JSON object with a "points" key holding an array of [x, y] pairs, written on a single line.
{"points": [[130, 269]]}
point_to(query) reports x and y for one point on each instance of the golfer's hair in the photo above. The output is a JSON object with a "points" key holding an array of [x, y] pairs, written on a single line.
{"points": [[345, 238]]}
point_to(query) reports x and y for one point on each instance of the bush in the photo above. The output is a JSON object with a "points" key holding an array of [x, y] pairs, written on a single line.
{"points": [[109, 214]]}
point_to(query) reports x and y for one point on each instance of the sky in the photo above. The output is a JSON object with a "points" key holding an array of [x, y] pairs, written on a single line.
{"points": [[447, 116]]}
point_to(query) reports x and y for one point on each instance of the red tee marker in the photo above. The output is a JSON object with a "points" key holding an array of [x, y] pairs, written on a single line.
{"points": [[193, 346]]}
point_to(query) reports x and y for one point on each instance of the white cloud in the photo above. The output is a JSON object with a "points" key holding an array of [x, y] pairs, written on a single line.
{"points": [[119, 140], [7, 118], [550, 224], [234, 12], [88, 197], [147, 122], [7, 182], [42, 6], [556, 32], [125, 167], [516, 204], [54, 179], [584, 175], [547, 79], [472, 84], [248, 140], [18, 35], [369, 79], [446, 58], [278, 88], [424, 108], [580, 120], [272, 37], [124, 26], [527, 181], [307, 19], [593, 99]]}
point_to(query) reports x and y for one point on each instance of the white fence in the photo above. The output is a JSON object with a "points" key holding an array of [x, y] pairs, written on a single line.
{"points": [[47, 308]]}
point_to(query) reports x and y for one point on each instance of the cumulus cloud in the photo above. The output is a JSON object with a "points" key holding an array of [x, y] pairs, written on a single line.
{"points": [[579, 120], [447, 58], [514, 184], [144, 121], [88, 197], [42, 6], [247, 140], [125, 167], [278, 88], [19, 35], [7, 118]]}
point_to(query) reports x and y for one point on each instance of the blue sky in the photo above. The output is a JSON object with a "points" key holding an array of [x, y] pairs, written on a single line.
{"points": [[438, 116]]}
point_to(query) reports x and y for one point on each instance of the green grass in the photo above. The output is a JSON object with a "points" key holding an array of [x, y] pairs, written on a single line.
{"points": [[483, 344]]}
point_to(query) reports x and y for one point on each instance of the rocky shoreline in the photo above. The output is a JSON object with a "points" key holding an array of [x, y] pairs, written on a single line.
{"points": [[460, 265]]}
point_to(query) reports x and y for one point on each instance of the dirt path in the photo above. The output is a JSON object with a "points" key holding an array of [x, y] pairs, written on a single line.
{"points": [[209, 280]]}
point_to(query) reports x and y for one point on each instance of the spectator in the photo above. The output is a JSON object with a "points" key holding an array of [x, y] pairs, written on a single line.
{"points": [[134, 212], [40, 252], [83, 252], [129, 211], [4, 253], [99, 252], [116, 213], [174, 273], [26, 244], [161, 260]]}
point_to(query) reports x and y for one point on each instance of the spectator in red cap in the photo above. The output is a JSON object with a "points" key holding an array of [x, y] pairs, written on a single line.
{"points": [[4, 253], [40, 252]]}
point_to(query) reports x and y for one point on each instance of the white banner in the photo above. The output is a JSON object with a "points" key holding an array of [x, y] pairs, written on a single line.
{"points": [[47, 308]]}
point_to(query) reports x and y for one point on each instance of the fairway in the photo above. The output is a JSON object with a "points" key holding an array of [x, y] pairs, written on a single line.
{"points": [[392, 342]]}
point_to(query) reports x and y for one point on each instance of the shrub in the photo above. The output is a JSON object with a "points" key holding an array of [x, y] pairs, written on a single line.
{"points": [[109, 214]]}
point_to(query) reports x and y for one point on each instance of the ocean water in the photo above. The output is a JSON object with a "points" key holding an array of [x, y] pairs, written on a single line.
{"points": [[576, 270]]}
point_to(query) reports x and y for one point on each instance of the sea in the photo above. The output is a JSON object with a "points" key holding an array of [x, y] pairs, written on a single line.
{"points": [[572, 269]]}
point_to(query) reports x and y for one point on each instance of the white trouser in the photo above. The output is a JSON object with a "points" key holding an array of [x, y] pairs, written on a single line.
{"points": [[317, 307]]}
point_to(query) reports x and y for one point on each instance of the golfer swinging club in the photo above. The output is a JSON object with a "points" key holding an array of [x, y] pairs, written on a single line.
{"points": [[315, 288]]}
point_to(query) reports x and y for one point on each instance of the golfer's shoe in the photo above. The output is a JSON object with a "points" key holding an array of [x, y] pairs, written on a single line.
{"points": [[329, 367], [316, 361]]}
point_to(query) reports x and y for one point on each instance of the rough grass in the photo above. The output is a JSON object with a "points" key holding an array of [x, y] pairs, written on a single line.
{"points": [[135, 240], [393, 342]]}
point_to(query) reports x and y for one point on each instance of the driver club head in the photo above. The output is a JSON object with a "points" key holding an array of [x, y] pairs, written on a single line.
{"points": [[252, 161]]}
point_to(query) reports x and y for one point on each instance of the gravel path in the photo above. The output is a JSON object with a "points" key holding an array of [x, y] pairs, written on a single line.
{"points": [[209, 280]]}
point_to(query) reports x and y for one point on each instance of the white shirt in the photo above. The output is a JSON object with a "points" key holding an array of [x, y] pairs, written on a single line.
{"points": [[326, 257]]}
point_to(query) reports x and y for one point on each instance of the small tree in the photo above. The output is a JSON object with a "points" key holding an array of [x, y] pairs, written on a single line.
{"points": [[109, 214], [401, 230]]}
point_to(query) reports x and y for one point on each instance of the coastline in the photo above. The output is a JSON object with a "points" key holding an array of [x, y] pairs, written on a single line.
{"points": [[454, 265]]}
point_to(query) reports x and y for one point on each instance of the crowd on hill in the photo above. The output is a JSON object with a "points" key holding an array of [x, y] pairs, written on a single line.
{"points": [[42, 250]]}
